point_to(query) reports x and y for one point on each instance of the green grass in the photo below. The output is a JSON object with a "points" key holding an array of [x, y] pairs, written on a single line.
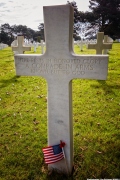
{"points": [[23, 123]]}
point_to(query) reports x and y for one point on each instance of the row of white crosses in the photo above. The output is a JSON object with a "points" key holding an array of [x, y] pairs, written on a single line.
{"points": [[99, 44], [103, 42], [18, 46], [59, 65]]}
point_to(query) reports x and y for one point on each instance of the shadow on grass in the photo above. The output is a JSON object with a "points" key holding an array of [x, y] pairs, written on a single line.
{"points": [[104, 165], [108, 89], [58, 176], [5, 83]]}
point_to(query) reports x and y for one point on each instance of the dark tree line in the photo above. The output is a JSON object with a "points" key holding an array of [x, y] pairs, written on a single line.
{"points": [[104, 15], [9, 33]]}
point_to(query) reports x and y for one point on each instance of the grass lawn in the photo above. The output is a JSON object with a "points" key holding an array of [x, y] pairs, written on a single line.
{"points": [[23, 123]]}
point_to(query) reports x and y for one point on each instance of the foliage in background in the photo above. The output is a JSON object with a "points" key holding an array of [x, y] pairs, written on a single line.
{"points": [[9, 33], [106, 16], [103, 16]]}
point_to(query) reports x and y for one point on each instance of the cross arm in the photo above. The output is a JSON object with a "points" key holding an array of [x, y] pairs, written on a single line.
{"points": [[29, 65], [90, 67], [14, 48], [91, 46], [26, 48], [85, 66], [107, 46]]}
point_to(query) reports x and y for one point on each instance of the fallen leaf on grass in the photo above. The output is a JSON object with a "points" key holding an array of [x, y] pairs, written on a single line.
{"points": [[35, 121], [7, 93], [83, 148], [99, 152], [45, 99], [15, 133], [43, 169], [4, 117], [6, 147]]}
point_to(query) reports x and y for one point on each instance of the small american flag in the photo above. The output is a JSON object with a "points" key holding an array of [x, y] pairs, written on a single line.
{"points": [[53, 154]]}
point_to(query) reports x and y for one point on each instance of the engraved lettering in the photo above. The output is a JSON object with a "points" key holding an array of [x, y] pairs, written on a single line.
{"points": [[59, 66]]}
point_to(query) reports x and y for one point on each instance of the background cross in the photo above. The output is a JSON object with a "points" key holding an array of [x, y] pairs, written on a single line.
{"points": [[21, 48]]}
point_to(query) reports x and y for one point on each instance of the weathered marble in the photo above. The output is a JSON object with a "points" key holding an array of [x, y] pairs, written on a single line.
{"points": [[59, 65]]}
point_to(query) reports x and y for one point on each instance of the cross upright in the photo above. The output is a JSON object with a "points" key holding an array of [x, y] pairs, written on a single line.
{"points": [[105, 41], [21, 48], [99, 46], [59, 65], [42, 47]]}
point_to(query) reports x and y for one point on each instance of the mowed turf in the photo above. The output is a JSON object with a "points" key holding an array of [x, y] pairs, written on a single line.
{"points": [[23, 123]]}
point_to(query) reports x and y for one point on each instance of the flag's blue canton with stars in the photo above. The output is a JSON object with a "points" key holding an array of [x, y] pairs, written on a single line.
{"points": [[53, 154]]}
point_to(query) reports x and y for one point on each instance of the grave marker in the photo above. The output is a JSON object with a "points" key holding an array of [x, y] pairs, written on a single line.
{"points": [[105, 51], [21, 48], [99, 46], [34, 45], [106, 40], [80, 44], [59, 65]]}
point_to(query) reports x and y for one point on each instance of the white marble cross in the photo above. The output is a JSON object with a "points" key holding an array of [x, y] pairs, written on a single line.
{"points": [[21, 48], [34, 45], [106, 40], [80, 44], [99, 46], [59, 65]]}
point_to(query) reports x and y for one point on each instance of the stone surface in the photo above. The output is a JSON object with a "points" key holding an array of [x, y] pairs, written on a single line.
{"points": [[107, 40], [105, 51], [80, 44], [21, 48], [2, 46], [35, 46], [99, 46], [59, 65], [42, 46]]}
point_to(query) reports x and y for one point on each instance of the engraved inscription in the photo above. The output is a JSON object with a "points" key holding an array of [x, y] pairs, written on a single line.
{"points": [[58, 66]]}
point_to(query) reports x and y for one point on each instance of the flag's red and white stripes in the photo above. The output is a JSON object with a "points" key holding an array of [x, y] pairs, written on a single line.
{"points": [[50, 156]]}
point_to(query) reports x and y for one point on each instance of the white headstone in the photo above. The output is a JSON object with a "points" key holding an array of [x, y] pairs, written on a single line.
{"points": [[109, 40], [105, 51], [42, 46], [34, 45], [81, 44], [21, 48], [99, 46], [59, 65]]}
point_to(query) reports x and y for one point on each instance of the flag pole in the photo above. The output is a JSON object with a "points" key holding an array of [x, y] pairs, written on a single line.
{"points": [[62, 146]]}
